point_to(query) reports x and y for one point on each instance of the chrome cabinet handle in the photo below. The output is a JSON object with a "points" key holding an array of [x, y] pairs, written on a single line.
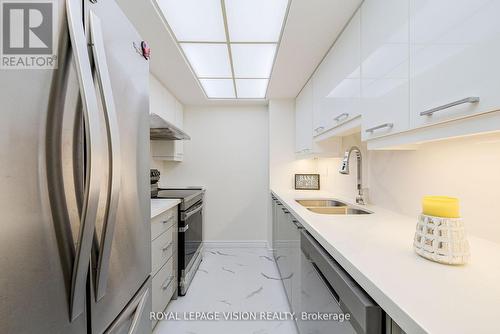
{"points": [[472, 99], [167, 282], [184, 229], [341, 116], [167, 246], [113, 156], [319, 129], [297, 224], [382, 126], [94, 154]]}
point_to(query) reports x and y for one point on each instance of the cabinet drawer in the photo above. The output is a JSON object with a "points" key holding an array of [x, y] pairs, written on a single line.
{"points": [[162, 249], [163, 222], [164, 284]]}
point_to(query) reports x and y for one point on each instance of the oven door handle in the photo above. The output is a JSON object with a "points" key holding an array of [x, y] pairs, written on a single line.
{"points": [[188, 214]]}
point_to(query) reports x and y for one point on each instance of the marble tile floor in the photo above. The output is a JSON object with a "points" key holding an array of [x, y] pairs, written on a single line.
{"points": [[232, 280]]}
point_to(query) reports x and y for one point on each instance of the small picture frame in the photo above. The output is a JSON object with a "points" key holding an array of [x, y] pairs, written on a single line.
{"points": [[307, 182]]}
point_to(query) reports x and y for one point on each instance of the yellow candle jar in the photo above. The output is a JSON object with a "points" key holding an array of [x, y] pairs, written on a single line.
{"points": [[441, 206]]}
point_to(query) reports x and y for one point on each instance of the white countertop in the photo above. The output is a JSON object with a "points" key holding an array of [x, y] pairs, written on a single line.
{"points": [[420, 295], [159, 206]]}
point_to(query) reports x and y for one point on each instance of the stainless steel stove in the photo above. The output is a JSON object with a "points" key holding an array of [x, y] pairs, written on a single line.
{"points": [[190, 237]]}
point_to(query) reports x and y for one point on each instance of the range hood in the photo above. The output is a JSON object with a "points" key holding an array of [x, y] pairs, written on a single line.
{"points": [[161, 129]]}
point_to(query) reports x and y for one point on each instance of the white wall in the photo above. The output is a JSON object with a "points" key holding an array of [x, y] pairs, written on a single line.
{"points": [[228, 153], [282, 160], [467, 168]]}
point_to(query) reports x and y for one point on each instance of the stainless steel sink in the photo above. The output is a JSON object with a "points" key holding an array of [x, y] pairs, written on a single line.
{"points": [[308, 203], [331, 207], [343, 210]]}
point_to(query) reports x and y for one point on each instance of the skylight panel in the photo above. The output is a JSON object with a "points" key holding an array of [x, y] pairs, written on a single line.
{"points": [[208, 60], [251, 88], [253, 60], [218, 88], [194, 20], [255, 20], [230, 45]]}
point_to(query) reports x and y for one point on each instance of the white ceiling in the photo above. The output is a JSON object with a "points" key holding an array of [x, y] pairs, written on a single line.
{"points": [[311, 28]]}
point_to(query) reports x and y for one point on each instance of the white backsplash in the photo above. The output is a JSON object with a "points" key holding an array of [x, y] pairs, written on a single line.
{"points": [[467, 168]]}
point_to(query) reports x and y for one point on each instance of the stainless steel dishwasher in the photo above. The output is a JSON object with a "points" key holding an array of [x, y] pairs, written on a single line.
{"points": [[328, 289]]}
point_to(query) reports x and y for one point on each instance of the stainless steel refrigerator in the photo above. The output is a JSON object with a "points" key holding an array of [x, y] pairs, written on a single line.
{"points": [[75, 249]]}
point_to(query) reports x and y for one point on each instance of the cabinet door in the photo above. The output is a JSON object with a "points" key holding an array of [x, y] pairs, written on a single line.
{"points": [[384, 67], [279, 239], [455, 54], [161, 102], [283, 258], [303, 119], [288, 274], [337, 85], [179, 122]]}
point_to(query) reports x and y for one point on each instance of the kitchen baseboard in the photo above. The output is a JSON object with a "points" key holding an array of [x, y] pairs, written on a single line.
{"points": [[235, 244]]}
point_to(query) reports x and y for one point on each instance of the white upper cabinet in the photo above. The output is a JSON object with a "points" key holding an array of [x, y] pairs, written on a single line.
{"points": [[384, 67], [337, 85], [179, 122], [305, 145], [455, 57], [303, 119], [168, 107]]}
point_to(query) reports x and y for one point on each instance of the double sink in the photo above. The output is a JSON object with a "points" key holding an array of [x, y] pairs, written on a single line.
{"points": [[331, 207]]}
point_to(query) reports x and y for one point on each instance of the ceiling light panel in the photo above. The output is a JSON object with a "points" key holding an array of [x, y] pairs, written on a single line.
{"points": [[251, 88], [208, 60], [218, 88], [253, 60], [255, 20], [194, 20]]}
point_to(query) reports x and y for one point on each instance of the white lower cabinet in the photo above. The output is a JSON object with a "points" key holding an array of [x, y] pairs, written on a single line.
{"points": [[384, 67], [455, 52], [164, 229]]}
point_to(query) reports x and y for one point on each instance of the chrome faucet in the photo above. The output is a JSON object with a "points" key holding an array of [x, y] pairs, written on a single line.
{"points": [[344, 169]]}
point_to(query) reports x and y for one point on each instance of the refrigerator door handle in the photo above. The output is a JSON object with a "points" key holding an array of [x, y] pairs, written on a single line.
{"points": [[112, 130], [93, 155], [138, 313], [135, 307]]}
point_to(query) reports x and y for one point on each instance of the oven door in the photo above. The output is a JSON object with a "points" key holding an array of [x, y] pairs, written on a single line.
{"points": [[190, 231]]}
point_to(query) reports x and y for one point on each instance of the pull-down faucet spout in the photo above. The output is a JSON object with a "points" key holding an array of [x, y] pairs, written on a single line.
{"points": [[344, 169]]}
